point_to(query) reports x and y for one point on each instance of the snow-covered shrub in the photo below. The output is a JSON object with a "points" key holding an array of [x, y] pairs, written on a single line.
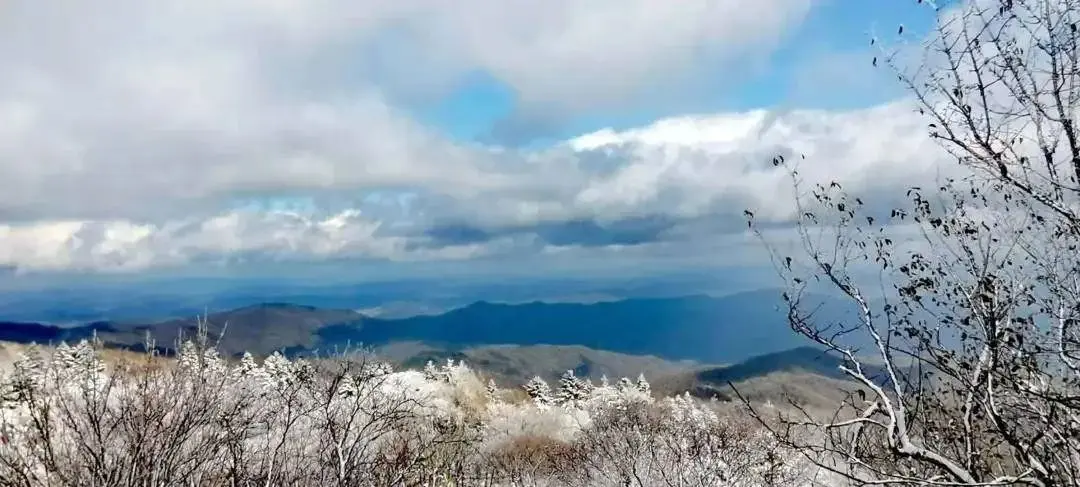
{"points": [[69, 418], [505, 422], [348, 420], [675, 441]]}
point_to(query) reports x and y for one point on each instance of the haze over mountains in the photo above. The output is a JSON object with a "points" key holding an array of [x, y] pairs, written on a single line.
{"points": [[156, 300]]}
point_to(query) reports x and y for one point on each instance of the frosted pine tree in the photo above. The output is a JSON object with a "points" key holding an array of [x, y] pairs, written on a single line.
{"points": [[452, 371], [79, 365], [303, 372], [601, 397], [624, 385], [439, 374], [277, 371], [491, 389], [189, 358], [28, 374], [349, 386], [572, 389], [643, 385], [431, 372], [380, 369], [247, 365], [251, 378], [567, 388], [213, 364], [539, 391]]}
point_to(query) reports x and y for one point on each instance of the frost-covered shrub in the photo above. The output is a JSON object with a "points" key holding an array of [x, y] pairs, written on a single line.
{"points": [[505, 422], [349, 420], [620, 435], [674, 441], [69, 418]]}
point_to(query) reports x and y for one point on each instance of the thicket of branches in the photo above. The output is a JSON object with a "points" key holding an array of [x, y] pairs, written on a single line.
{"points": [[975, 323], [68, 418]]}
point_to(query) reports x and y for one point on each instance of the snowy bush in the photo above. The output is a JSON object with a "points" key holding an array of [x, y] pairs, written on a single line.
{"points": [[69, 418]]}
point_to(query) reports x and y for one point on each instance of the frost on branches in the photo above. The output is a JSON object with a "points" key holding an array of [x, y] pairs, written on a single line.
{"points": [[70, 418]]}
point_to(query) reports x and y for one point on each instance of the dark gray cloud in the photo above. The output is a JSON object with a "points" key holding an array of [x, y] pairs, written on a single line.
{"points": [[576, 232]]}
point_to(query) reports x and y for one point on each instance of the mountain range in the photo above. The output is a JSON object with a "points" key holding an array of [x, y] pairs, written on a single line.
{"points": [[706, 329], [703, 328], [696, 343], [154, 300]]}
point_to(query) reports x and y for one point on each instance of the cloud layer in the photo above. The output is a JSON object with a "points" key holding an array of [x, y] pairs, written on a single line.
{"points": [[677, 179], [136, 135]]}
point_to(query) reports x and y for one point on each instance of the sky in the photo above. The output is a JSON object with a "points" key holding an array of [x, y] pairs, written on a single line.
{"points": [[375, 138]]}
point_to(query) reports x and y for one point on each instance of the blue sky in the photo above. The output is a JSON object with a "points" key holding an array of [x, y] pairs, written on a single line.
{"points": [[376, 138], [822, 62]]}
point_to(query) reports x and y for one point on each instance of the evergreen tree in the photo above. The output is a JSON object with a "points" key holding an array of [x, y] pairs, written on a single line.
{"points": [[378, 368], [539, 391], [431, 372], [643, 385], [189, 357], [278, 371], [247, 364], [572, 389], [28, 373]]}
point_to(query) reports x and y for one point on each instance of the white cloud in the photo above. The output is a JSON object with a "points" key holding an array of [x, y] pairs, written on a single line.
{"points": [[126, 108], [124, 246], [699, 172], [129, 129], [575, 53], [704, 166], [694, 166]]}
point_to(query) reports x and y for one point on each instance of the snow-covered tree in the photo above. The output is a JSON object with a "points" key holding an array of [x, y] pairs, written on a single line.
{"points": [[431, 372], [448, 372], [572, 389], [539, 391], [247, 365], [643, 385]]}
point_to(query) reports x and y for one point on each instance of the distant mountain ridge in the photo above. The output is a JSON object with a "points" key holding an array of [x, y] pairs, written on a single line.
{"points": [[261, 329], [707, 329], [698, 327], [800, 359], [151, 301]]}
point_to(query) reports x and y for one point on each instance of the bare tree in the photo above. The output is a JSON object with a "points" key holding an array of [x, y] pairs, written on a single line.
{"points": [[963, 340]]}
